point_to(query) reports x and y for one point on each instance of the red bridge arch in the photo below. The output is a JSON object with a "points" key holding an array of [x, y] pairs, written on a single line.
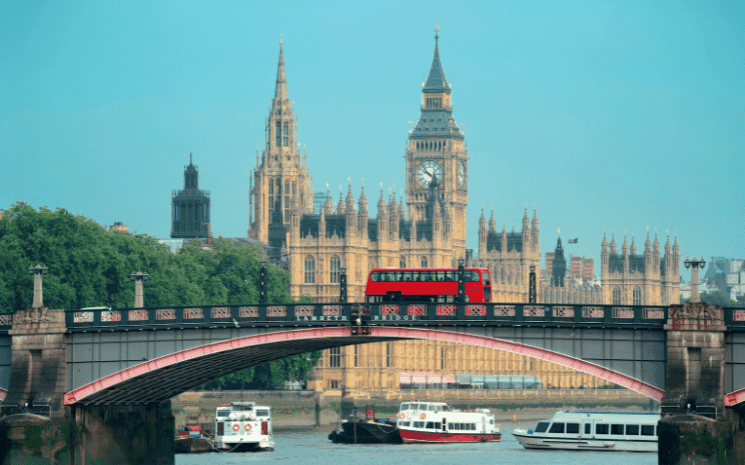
{"points": [[167, 372]]}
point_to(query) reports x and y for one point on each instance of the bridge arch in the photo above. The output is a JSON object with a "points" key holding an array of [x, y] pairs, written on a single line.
{"points": [[164, 377]]}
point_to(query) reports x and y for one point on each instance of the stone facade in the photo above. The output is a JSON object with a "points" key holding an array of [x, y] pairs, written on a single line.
{"points": [[647, 279], [190, 207]]}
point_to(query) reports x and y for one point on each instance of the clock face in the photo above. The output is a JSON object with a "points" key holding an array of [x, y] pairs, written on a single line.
{"points": [[428, 172], [461, 175]]}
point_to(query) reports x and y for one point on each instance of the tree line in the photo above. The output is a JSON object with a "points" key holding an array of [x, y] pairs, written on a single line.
{"points": [[90, 267]]}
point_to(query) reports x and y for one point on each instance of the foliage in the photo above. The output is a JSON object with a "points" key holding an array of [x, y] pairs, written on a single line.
{"points": [[90, 267], [717, 298]]}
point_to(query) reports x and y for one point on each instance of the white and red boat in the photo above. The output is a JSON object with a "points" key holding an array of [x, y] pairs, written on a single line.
{"points": [[437, 422]]}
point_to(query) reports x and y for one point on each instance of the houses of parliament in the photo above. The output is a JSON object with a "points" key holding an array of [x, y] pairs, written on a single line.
{"points": [[426, 229]]}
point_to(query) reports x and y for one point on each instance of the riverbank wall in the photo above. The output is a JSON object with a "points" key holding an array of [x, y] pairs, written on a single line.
{"points": [[307, 408]]}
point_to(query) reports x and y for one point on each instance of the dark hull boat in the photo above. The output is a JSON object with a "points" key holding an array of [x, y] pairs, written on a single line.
{"points": [[366, 432]]}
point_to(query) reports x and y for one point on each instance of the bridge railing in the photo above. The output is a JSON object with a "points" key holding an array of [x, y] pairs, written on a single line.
{"points": [[734, 317], [390, 313]]}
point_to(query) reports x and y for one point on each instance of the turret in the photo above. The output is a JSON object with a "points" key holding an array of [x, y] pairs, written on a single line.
{"points": [[612, 245], [340, 205], [482, 235], [504, 240], [633, 247], [526, 230], [382, 218], [328, 207], [350, 213], [536, 232], [362, 215]]}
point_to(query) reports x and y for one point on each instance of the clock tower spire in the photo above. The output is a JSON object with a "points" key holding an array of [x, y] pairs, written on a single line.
{"points": [[436, 154]]}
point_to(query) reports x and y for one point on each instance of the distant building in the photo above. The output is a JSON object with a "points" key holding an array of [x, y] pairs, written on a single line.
{"points": [[727, 275], [118, 226], [190, 207], [569, 286], [647, 279]]}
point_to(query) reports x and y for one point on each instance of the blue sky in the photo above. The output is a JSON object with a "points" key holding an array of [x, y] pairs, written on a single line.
{"points": [[608, 116]]}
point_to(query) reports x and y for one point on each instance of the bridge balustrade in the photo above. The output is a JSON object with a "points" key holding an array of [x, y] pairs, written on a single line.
{"points": [[389, 313]]}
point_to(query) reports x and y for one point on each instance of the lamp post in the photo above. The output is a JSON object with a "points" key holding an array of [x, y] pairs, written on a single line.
{"points": [[138, 278], [694, 265], [531, 286], [461, 281], [343, 285], [37, 271], [262, 282]]}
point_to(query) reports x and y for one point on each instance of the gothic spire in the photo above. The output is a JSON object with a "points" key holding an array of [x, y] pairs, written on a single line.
{"points": [[280, 92], [436, 81]]}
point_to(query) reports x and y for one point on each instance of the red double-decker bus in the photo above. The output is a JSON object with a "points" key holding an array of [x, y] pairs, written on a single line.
{"points": [[437, 285]]}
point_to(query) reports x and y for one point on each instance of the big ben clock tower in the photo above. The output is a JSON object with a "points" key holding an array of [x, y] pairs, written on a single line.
{"points": [[436, 156]]}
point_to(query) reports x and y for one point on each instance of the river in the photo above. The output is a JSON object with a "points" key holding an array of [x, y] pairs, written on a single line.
{"points": [[312, 447]]}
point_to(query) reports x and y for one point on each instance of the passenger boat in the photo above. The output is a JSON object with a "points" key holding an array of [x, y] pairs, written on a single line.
{"points": [[576, 430], [241, 426], [437, 422]]}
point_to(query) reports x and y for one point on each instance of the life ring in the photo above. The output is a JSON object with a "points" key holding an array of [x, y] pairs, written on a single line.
{"points": [[236, 426], [369, 412], [248, 427], [423, 416], [401, 415]]}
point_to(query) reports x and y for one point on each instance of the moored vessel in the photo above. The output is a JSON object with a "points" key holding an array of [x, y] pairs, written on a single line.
{"points": [[575, 430], [366, 430], [241, 426], [420, 422], [192, 439]]}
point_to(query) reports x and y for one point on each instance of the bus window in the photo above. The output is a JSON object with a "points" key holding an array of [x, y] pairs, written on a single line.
{"points": [[375, 276], [399, 276], [450, 276], [440, 276], [390, 277], [407, 276], [486, 278]]}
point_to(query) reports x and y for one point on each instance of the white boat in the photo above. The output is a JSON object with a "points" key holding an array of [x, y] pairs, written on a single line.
{"points": [[243, 426], [437, 422], [576, 430]]}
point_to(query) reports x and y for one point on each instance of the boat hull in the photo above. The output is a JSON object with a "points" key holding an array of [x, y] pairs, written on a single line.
{"points": [[413, 436], [529, 441], [364, 432], [192, 445]]}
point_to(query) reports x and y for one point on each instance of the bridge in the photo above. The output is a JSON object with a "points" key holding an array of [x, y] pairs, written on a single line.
{"points": [[98, 364]]}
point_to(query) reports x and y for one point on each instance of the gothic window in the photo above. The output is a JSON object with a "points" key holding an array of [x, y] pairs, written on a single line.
{"points": [[637, 296], [294, 187], [175, 211], [285, 141], [616, 296], [335, 269], [388, 354], [271, 186], [310, 270], [335, 357], [278, 133], [285, 130], [424, 262], [402, 262]]}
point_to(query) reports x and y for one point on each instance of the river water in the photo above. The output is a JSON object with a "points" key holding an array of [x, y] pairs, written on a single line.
{"points": [[312, 447]]}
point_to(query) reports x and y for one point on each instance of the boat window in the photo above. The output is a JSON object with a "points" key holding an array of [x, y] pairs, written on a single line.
{"points": [[491, 422], [647, 430], [541, 427], [437, 425], [432, 408], [601, 428], [223, 412], [556, 428], [404, 423], [616, 429], [404, 406], [262, 413], [632, 430], [430, 425], [418, 424], [573, 428], [588, 428], [423, 407]]}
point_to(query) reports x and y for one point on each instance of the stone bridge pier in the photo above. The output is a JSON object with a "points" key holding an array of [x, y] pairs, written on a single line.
{"points": [[35, 425], [695, 427]]}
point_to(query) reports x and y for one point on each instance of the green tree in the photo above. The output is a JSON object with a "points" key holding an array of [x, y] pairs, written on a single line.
{"points": [[89, 266], [717, 298]]}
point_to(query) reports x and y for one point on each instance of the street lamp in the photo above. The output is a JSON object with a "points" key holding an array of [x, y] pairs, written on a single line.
{"points": [[37, 271], [531, 286], [694, 265], [343, 285], [138, 278], [262, 282], [461, 281]]}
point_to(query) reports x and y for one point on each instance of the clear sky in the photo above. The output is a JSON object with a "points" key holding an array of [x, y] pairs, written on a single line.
{"points": [[608, 116]]}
